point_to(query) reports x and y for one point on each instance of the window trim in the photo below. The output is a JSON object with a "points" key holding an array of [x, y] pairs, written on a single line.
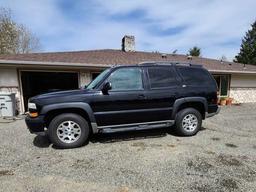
{"points": [[219, 87], [125, 90], [160, 88]]}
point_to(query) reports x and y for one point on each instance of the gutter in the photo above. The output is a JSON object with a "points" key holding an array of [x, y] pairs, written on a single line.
{"points": [[230, 71], [47, 63]]}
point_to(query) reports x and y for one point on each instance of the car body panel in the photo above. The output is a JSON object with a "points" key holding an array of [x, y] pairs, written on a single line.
{"points": [[127, 107]]}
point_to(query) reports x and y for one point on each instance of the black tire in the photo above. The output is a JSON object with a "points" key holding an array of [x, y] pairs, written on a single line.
{"points": [[181, 128], [74, 118]]}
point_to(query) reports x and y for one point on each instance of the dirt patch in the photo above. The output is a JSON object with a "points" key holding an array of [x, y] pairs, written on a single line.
{"points": [[210, 152], [171, 145], [82, 164], [199, 165], [202, 188], [6, 172], [229, 160], [123, 189], [229, 184], [155, 145], [231, 145], [138, 144], [215, 138]]}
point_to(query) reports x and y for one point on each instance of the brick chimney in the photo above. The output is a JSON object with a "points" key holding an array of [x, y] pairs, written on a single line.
{"points": [[128, 43]]}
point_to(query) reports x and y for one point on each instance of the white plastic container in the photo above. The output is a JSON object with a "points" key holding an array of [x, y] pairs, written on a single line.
{"points": [[7, 104]]}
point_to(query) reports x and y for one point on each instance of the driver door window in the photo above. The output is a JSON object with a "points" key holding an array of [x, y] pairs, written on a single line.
{"points": [[126, 79]]}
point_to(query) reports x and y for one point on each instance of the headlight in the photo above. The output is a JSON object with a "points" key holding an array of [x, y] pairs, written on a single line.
{"points": [[31, 106]]}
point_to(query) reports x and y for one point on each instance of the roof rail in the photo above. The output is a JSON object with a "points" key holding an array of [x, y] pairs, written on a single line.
{"points": [[169, 63]]}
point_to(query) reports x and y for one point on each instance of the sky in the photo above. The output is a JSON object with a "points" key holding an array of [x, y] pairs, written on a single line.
{"points": [[216, 26]]}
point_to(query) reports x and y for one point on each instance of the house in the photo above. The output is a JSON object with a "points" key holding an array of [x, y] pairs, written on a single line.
{"points": [[31, 74]]}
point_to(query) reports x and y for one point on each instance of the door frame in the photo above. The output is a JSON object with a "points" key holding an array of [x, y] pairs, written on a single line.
{"points": [[219, 87]]}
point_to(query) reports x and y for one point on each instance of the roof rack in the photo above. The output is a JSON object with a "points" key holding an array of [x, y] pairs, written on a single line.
{"points": [[169, 63]]}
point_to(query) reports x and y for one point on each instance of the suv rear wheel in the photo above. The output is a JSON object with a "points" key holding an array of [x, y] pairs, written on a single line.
{"points": [[188, 122], [68, 130]]}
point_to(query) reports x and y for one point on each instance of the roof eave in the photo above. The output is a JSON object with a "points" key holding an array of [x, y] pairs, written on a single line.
{"points": [[47, 63], [99, 65]]}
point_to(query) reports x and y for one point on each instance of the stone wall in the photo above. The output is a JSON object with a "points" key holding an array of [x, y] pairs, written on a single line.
{"points": [[243, 95]]}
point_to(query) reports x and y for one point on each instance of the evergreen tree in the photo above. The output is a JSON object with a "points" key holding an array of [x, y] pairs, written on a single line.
{"points": [[247, 52], [195, 51]]}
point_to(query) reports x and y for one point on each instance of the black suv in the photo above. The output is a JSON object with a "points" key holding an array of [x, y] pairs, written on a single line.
{"points": [[131, 97]]}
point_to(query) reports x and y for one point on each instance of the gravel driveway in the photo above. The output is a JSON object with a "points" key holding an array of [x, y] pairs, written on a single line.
{"points": [[221, 157]]}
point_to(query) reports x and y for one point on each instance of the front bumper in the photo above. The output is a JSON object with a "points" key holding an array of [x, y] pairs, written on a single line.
{"points": [[207, 115], [35, 125]]}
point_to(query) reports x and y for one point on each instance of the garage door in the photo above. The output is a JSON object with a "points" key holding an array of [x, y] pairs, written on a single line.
{"points": [[35, 82]]}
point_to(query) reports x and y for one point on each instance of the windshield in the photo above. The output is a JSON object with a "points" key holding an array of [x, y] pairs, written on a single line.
{"points": [[95, 82]]}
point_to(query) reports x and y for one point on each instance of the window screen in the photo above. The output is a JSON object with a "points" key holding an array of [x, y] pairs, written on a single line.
{"points": [[126, 79], [195, 76], [161, 77]]}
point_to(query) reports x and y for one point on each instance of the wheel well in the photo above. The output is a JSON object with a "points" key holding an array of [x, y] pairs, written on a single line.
{"points": [[51, 114], [196, 105]]}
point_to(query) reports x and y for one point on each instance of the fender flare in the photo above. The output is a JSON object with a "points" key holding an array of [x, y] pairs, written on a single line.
{"points": [[181, 101], [78, 105]]}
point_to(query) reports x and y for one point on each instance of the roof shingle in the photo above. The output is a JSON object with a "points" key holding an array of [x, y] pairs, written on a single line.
{"points": [[117, 57]]}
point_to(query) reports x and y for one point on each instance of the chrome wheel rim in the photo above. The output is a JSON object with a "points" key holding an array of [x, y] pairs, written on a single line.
{"points": [[69, 132], [189, 122]]}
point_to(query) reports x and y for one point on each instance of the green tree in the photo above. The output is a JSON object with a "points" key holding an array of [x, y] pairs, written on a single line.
{"points": [[247, 52], [195, 51], [15, 38]]}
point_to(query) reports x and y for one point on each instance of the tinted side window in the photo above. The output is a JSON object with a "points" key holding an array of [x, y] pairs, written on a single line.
{"points": [[195, 76], [126, 79], [161, 77]]}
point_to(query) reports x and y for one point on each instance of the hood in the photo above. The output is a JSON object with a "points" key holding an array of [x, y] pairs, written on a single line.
{"points": [[57, 94], [60, 96]]}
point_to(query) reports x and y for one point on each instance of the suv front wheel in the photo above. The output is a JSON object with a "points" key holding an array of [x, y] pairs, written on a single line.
{"points": [[68, 130], [188, 122]]}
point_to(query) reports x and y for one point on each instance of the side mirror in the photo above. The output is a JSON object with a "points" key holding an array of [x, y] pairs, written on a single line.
{"points": [[106, 87]]}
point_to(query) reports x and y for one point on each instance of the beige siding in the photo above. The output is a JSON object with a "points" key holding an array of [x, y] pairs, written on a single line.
{"points": [[243, 81], [8, 78], [243, 88]]}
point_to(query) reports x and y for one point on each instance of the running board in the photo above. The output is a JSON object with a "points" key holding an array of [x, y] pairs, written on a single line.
{"points": [[135, 126]]}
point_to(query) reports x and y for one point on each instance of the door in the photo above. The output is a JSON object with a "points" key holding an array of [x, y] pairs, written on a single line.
{"points": [[163, 88], [125, 103]]}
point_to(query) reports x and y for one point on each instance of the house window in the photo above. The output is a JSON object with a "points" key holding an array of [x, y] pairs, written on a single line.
{"points": [[223, 82]]}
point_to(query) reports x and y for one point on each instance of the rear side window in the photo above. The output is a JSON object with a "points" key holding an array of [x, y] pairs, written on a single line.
{"points": [[195, 76], [160, 77]]}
